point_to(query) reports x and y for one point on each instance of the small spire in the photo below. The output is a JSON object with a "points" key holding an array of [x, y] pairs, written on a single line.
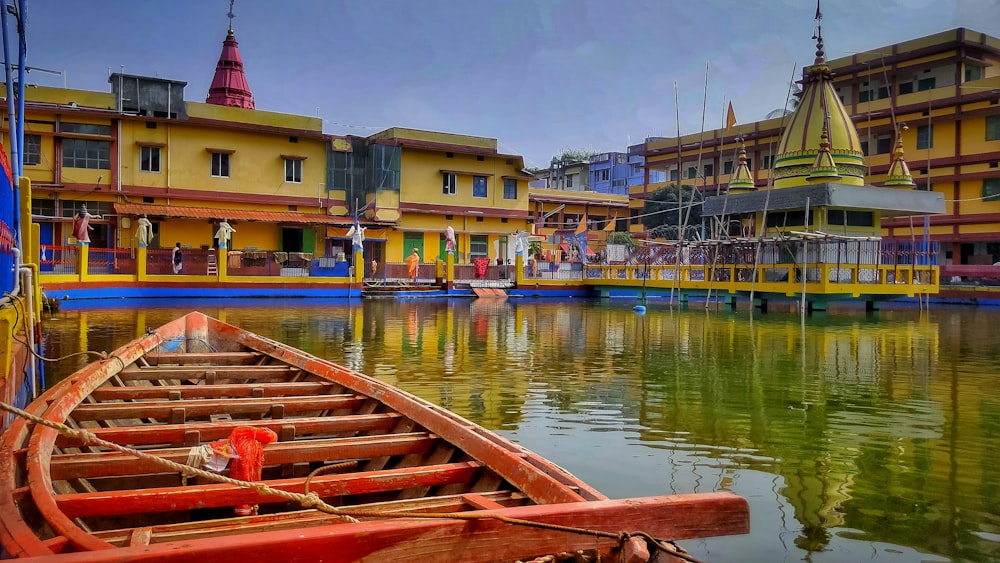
{"points": [[899, 175], [824, 168], [229, 85], [742, 179]]}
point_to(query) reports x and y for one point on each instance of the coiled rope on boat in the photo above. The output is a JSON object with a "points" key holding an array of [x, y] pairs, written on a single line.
{"points": [[312, 501]]}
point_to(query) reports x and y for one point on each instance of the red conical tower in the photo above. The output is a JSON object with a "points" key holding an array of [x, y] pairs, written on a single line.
{"points": [[229, 86]]}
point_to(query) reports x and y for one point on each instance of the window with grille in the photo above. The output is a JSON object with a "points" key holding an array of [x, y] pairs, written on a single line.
{"points": [[86, 153], [32, 149], [509, 188]]}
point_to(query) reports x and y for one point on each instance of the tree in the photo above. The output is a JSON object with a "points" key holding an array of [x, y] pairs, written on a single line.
{"points": [[572, 155], [660, 214]]}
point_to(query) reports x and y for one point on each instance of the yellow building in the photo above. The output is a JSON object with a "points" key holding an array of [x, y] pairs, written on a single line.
{"points": [[425, 182], [939, 92]]}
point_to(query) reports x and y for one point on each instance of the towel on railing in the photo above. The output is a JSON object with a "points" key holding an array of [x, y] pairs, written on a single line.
{"points": [[481, 264]]}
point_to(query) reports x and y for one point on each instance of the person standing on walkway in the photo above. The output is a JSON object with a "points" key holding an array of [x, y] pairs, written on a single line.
{"points": [[413, 261], [178, 259]]}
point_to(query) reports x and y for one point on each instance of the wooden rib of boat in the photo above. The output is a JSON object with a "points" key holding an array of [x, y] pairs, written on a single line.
{"points": [[196, 379]]}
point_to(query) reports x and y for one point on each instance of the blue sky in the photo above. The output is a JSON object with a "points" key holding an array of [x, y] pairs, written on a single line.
{"points": [[541, 76]]}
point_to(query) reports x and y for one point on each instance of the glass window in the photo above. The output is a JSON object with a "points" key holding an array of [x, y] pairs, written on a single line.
{"points": [[883, 145], [32, 149], [220, 165], [479, 186], [479, 246], [293, 170], [926, 84], [673, 175], [973, 72], [709, 170], [85, 128], [448, 182], [727, 167], [692, 172], [992, 128], [149, 159], [569, 180], [925, 137], [84, 153], [905, 88], [991, 189], [510, 188]]}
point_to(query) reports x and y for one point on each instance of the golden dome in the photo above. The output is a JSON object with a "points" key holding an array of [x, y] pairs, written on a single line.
{"points": [[819, 114]]}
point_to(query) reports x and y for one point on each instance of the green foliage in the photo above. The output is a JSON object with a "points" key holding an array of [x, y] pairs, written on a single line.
{"points": [[622, 238], [534, 248], [661, 217], [572, 155]]}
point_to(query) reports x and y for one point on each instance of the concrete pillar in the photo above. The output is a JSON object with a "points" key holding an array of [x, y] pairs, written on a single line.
{"points": [[222, 264], [359, 264], [449, 270], [141, 257], [84, 260]]}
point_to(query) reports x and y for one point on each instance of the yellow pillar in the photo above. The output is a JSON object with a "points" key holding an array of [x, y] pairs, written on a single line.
{"points": [[84, 249], [140, 262], [449, 268], [359, 265], [223, 264], [518, 269]]}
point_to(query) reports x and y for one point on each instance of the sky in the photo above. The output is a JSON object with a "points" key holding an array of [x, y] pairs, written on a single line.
{"points": [[540, 76]]}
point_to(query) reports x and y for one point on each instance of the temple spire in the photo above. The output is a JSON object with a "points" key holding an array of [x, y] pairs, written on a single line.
{"points": [[899, 175], [229, 85]]}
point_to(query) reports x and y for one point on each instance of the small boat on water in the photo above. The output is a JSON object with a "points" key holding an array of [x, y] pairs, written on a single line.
{"points": [[344, 468]]}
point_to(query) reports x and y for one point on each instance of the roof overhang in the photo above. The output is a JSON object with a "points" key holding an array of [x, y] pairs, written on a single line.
{"points": [[890, 202], [284, 217]]}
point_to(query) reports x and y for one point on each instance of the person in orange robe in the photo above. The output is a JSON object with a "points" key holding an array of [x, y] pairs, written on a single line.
{"points": [[413, 261]]}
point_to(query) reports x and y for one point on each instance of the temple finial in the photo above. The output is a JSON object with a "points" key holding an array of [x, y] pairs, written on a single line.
{"points": [[818, 36], [231, 15]]}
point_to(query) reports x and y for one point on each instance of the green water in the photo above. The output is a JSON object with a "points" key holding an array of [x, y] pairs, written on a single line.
{"points": [[854, 437]]}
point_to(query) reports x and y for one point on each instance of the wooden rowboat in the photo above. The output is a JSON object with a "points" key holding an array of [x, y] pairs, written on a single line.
{"points": [[195, 380]]}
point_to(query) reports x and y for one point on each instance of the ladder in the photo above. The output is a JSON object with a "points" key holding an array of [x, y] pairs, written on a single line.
{"points": [[213, 265]]}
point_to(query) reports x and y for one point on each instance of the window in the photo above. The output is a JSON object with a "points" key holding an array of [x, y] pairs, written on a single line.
{"points": [[85, 128], [32, 149], [991, 189], [692, 172], [293, 170], [149, 159], [905, 88], [925, 137], [220, 165], [479, 246], [509, 188], [768, 161], [992, 128], [673, 175], [925, 84], [864, 148], [569, 180], [448, 182], [973, 72], [84, 153], [727, 167], [883, 144], [709, 170], [479, 186]]}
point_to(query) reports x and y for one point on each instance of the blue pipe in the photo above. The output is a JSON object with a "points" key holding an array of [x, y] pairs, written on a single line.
{"points": [[22, 52]]}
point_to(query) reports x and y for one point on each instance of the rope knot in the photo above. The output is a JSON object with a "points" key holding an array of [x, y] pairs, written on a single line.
{"points": [[310, 500]]}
